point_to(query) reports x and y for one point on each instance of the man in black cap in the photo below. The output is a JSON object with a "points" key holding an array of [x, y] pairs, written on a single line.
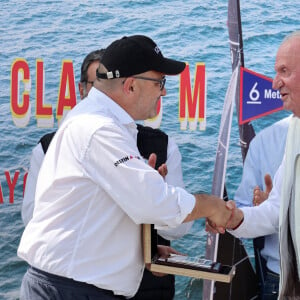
{"points": [[94, 190]]}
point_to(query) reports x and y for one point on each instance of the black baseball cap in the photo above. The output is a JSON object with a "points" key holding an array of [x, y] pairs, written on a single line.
{"points": [[136, 54]]}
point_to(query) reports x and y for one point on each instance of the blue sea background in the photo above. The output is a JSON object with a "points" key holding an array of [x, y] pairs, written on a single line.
{"points": [[192, 31]]}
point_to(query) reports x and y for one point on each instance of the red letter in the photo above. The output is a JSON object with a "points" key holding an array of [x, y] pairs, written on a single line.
{"points": [[196, 104], [20, 111], [43, 112], [1, 195], [66, 96], [11, 185]]}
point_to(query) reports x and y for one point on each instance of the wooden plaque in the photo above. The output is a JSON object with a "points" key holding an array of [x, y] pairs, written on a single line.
{"points": [[182, 265]]}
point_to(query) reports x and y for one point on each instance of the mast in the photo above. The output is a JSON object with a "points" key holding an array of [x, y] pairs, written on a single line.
{"points": [[232, 252], [246, 130], [218, 185]]}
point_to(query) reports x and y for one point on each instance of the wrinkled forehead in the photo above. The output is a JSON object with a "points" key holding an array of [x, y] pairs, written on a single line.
{"points": [[288, 54], [291, 46]]}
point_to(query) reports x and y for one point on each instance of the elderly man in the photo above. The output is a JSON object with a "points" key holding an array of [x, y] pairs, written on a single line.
{"points": [[94, 190], [281, 212]]}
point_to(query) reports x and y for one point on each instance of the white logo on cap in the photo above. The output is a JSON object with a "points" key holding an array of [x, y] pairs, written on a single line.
{"points": [[156, 49], [110, 75]]}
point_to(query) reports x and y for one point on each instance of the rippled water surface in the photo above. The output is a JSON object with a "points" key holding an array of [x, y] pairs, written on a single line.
{"points": [[193, 31]]}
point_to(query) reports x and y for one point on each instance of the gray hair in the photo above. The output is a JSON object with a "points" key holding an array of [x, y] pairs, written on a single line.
{"points": [[294, 34], [90, 58]]}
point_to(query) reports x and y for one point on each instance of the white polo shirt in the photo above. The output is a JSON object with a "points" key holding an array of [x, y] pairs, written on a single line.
{"points": [[93, 192]]}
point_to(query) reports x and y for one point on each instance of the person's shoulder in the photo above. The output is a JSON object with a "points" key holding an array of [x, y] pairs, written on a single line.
{"points": [[283, 123], [276, 128], [45, 140], [37, 154]]}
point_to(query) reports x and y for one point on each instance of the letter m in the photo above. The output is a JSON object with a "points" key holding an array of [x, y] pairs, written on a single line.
{"points": [[192, 106]]}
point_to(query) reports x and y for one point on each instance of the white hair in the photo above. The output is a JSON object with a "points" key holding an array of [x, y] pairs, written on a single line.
{"points": [[295, 34]]}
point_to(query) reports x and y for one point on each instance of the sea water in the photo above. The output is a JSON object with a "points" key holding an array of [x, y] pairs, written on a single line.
{"points": [[192, 31]]}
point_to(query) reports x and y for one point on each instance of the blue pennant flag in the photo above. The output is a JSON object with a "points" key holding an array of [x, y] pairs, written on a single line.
{"points": [[257, 98]]}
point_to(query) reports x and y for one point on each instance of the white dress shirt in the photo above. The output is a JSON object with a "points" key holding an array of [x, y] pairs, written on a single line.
{"points": [[174, 177], [37, 157], [92, 194], [264, 156], [263, 219]]}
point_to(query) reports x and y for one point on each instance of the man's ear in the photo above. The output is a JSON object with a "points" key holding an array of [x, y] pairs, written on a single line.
{"points": [[128, 86], [80, 88]]}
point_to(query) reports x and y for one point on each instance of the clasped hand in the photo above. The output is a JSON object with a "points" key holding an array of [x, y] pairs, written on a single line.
{"points": [[233, 218]]}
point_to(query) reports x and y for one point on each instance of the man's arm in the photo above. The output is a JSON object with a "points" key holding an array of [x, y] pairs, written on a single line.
{"points": [[209, 206], [259, 220], [36, 160]]}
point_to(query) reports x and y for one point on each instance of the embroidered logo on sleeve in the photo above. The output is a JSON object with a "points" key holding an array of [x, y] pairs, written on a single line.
{"points": [[124, 159]]}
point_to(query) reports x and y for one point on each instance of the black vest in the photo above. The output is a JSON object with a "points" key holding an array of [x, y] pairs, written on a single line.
{"points": [[45, 140]]}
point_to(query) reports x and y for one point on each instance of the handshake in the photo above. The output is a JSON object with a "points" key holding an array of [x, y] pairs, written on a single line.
{"points": [[229, 217]]}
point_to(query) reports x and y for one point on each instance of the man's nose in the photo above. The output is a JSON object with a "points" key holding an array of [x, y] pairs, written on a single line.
{"points": [[277, 83], [163, 92]]}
